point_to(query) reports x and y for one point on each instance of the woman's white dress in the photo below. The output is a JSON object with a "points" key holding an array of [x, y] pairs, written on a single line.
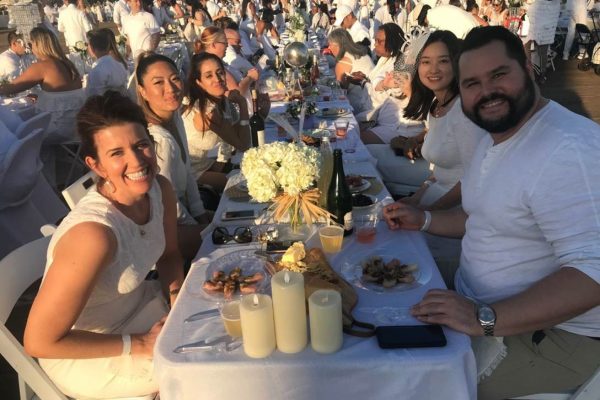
{"points": [[358, 96], [207, 147], [174, 162], [449, 146], [122, 301]]}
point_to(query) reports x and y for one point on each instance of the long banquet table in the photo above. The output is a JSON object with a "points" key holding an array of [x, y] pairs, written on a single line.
{"points": [[360, 370]]}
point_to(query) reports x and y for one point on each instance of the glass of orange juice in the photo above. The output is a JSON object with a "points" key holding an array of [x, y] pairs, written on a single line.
{"points": [[230, 314], [331, 238]]}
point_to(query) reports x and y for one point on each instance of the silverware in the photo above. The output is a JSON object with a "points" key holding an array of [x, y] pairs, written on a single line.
{"points": [[225, 341], [202, 315]]}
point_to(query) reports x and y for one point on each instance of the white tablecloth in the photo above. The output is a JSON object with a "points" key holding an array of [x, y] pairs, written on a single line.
{"points": [[361, 370]]}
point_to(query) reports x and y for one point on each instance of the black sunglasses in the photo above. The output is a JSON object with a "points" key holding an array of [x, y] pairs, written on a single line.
{"points": [[241, 234]]}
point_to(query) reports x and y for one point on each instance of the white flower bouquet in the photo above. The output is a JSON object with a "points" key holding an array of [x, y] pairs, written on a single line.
{"points": [[285, 173]]}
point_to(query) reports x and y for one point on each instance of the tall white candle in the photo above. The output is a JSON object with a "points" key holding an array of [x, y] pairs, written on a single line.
{"points": [[256, 314], [289, 306], [326, 329]]}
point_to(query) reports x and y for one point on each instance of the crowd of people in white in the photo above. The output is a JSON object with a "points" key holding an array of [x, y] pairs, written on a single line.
{"points": [[438, 116]]}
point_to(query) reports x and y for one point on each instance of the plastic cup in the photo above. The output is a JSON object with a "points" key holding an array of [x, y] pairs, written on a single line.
{"points": [[341, 128], [331, 238], [230, 315], [366, 228]]}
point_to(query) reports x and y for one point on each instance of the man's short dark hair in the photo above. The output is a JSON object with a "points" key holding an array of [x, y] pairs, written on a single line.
{"points": [[226, 23], [13, 37], [481, 36], [98, 40]]}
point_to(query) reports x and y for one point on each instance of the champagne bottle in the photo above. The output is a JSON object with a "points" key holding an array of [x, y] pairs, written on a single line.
{"points": [[257, 123], [326, 170], [339, 198]]}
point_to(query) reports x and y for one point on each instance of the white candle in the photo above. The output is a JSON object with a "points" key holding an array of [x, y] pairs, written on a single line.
{"points": [[326, 329], [258, 331], [289, 306]]}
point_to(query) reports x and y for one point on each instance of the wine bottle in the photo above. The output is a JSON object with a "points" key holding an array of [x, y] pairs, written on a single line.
{"points": [[339, 198], [314, 71], [257, 123], [326, 170]]}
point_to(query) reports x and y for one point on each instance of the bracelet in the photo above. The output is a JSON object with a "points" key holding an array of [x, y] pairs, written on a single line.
{"points": [[427, 222], [126, 345], [244, 122], [174, 291]]}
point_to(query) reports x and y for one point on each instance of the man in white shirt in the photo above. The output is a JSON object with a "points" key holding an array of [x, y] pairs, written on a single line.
{"points": [[107, 73], [345, 18], [50, 12], [238, 65], [530, 221], [11, 61], [74, 24], [141, 29], [160, 14], [120, 10]]}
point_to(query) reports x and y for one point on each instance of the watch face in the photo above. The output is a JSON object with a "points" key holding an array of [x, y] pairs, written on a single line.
{"points": [[486, 315]]}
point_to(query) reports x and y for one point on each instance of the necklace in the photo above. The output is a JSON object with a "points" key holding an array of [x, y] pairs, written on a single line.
{"points": [[439, 109]]}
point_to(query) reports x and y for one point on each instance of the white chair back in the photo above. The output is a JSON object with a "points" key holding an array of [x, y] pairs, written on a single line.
{"points": [[19, 270], [78, 189], [40, 121]]}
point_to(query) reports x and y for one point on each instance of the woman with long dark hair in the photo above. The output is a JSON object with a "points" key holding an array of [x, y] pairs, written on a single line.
{"points": [[214, 123], [159, 93]]}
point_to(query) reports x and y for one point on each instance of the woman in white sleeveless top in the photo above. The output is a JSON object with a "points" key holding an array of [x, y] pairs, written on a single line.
{"points": [[159, 93], [351, 57], [95, 320]]}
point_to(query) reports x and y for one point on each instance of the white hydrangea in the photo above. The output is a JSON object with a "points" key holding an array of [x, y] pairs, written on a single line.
{"points": [[280, 167]]}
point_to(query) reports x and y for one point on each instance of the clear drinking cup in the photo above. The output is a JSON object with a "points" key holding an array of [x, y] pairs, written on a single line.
{"points": [[331, 238]]}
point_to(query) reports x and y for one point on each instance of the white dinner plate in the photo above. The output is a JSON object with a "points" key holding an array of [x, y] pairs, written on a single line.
{"points": [[246, 260], [352, 272]]}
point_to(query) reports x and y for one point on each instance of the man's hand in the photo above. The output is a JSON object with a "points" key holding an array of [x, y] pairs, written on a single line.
{"points": [[402, 216], [446, 307]]}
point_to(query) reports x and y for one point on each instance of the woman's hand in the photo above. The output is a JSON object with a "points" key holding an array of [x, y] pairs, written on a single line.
{"points": [[411, 146], [449, 308], [402, 216], [253, 74], [389, 82], [144, 343]]}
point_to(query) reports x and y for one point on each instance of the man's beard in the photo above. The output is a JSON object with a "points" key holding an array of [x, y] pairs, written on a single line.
{"points": [[518, 107]]}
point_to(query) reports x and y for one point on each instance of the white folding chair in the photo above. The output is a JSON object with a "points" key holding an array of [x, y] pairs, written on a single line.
{"points": [[40, 121], [590, 390], [19, 270], [78, 189]]}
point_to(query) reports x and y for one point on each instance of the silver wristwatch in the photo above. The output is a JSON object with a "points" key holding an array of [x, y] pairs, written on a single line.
{"points": [[487, 318]]}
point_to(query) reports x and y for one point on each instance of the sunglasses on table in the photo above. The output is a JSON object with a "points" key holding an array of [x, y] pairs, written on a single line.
{"points": [[241, 234]]}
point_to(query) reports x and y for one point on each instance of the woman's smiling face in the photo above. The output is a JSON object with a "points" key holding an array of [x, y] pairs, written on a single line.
{"points": [[435, 67], [212, 78], [125, 158]]}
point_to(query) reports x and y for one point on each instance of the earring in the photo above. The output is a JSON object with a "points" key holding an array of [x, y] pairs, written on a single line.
{"points": [[108, 183]]}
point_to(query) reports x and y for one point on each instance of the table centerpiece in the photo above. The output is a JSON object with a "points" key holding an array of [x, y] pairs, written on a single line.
{"points": [[285, 173]]}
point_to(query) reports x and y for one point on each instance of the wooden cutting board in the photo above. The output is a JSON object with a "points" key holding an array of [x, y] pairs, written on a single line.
{"points": [[322, 276]]}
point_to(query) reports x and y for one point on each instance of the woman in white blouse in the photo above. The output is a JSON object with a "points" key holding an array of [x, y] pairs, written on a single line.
{"points": [[160, 91], [216, 124], [351, 57]]}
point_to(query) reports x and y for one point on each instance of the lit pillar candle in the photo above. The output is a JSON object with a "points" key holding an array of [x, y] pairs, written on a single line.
{"points": [[256, 314], [326, 330], [289, 306]]}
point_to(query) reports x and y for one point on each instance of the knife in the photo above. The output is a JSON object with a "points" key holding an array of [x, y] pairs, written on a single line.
{"points": [[207, 344], [202, 315]]}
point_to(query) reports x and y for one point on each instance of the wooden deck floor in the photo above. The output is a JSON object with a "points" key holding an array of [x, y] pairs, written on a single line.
{"points": [[576, 90]]}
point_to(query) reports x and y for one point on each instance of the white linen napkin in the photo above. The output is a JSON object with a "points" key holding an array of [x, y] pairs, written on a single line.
{"points": [[489, 352]]}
